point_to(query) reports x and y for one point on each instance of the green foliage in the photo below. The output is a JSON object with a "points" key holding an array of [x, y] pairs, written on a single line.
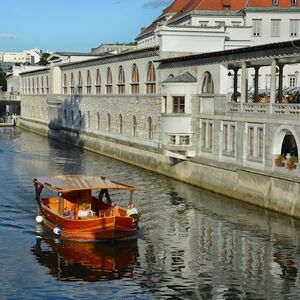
{"points": [[279, 161], [3, 81], [84, 205], [43, 60], [292, 163]]}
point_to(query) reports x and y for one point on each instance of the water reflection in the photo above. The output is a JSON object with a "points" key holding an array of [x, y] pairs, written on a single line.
{"points": [[88, 261], [193, 244]]}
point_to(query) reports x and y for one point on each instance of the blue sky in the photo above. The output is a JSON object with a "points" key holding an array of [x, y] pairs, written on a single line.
{"points": [[73, 25]]}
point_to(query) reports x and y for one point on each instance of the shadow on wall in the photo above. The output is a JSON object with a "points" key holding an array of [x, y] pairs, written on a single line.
{"points": [[66, 120]]}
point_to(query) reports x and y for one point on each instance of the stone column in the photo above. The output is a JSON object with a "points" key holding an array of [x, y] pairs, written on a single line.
{"points": [[279, 96], [273, 82], [244, 85], [256, 77]]}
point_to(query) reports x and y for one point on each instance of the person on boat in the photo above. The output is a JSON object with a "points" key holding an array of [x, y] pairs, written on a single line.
{"points": [[102, 193], [116, 211], [68, 213], [132, 211], [128, 211]]}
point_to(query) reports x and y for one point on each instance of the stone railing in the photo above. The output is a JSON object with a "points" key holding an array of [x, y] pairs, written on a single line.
{"points": [[234, 107], [286, 109], [264, 108], [258, 108], [8, 97]]}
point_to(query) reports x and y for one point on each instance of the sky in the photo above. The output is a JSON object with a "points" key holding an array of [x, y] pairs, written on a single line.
{"points": [[73, 25]]}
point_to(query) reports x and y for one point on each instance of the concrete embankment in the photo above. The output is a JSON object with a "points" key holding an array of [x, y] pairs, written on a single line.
{"points": [[268, 190]]}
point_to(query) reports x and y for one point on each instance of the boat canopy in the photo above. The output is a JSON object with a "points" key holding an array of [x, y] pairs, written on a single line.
{"points": [[68, 183]]}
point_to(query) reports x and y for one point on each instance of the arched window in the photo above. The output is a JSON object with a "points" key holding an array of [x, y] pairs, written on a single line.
{"points": [[72, 83], [120, 123], [79, 84], [47, 85], [65, 84], [135, 80], [98, 120], [108, 122], [98, 82], [37, 86], [109, 86], [88, 82], [134, 126], [88, 119], [208, 84], [150, 128], [33, 86], [43, 85], [121, 81], [151, 79]]}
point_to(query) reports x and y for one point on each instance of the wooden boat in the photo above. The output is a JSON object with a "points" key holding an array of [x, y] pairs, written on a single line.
{"points": [[91, 218]]}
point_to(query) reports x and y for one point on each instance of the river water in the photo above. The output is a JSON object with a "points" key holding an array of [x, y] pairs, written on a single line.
{"points": [[192, 244]]}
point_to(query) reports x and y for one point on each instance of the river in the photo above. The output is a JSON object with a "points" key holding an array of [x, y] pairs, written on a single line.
{"points": [[192, 244]]}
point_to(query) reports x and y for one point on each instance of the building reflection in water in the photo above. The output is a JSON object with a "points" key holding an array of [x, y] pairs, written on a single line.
{"points": [[211, 246], [88, 261]]}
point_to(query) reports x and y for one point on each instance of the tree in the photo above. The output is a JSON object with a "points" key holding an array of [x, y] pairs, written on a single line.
{"points": [[43, 60], [3, 81]]}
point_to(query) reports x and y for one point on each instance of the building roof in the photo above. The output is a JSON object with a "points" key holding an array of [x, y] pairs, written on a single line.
{"points": [[182, 78], [289, 51], [125, 55], [180, 8], [269, 3]]}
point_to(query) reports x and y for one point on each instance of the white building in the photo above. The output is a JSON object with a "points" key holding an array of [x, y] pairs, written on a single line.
{"points": [[194, 26], [27, 57], [168, 99]]}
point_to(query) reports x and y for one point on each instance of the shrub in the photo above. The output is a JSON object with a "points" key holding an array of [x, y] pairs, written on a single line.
{"points": [[292, 163], [279, 161]]}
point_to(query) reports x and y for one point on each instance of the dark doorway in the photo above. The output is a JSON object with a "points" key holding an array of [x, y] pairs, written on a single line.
{"points": [[289, 145]]}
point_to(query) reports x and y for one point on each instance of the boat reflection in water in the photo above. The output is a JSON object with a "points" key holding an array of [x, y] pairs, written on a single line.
{"points": [[70, 260]]}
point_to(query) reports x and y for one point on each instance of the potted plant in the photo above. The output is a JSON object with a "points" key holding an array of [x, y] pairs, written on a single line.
{"points": [[84, 211], [292, 163], [279, 161], [84, 205]]}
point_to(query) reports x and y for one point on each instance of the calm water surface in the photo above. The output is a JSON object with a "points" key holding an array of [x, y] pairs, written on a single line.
{"points": [[192, 244]]}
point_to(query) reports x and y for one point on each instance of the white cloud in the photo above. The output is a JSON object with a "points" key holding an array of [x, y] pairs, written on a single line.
{"points": [[6, 36], [156, 3]]}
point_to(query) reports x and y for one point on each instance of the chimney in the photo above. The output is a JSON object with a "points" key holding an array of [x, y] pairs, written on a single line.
{"points": [[226, 4]]}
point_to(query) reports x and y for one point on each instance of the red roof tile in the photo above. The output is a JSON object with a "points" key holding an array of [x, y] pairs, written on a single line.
{"points": [[182, 7], [269, 3], [176, 6]]}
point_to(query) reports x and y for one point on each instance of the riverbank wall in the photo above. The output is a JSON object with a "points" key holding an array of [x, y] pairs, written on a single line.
{"points": [[279, 193]]}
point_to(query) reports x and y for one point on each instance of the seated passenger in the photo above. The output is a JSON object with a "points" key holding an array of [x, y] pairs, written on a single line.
{"points": [[115, 211], [68, 213], [132, 211], [128, 211]]}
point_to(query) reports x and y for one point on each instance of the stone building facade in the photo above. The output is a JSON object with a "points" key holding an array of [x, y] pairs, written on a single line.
{"points": [[188, 116]]}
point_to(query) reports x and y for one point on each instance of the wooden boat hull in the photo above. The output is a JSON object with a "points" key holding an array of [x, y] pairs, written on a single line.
{"points": [[106, 228]]}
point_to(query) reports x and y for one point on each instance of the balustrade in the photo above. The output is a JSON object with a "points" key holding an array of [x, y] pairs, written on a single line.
{"points": [[264, 108]]}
